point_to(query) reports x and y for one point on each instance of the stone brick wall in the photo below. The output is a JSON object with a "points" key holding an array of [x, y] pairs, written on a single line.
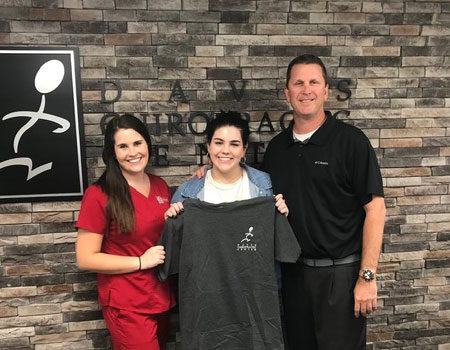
{"points": [[177, 62]]}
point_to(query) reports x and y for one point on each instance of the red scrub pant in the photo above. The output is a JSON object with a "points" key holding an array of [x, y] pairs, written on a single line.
{"points": [[135, 331]]}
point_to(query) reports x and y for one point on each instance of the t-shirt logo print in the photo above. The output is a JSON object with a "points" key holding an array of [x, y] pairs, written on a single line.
{"points": [[246, 243]]}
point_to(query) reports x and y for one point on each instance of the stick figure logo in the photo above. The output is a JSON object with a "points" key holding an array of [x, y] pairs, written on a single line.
{"points": [[247, 235], [43, 151], [246, 243], [47, 79]]}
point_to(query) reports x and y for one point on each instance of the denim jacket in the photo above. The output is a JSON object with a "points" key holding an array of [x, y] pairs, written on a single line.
{"points": [[260, 185]]}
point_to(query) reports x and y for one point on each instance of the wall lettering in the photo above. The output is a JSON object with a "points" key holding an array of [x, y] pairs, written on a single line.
{"points": [[197, 121]]}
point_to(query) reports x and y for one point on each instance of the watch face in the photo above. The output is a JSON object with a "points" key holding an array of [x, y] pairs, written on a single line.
{"points": [[367, 275]]}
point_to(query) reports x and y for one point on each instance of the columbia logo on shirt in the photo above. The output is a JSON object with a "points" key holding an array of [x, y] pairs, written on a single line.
{"points": [[162, 200], [320, 162]]}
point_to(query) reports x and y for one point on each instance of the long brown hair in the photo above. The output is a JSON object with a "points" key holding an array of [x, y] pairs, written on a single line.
{"points": [[120, 206]]}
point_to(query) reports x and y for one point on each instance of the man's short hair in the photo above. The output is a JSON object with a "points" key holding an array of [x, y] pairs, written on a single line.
{"points": [[306, 59]]}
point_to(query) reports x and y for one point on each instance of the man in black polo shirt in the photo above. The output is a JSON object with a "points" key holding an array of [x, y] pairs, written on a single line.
{"points": [[330, 178]]}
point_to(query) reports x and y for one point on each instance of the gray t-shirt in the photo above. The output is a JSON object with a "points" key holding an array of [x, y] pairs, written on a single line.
{"points": [[224, 254]]}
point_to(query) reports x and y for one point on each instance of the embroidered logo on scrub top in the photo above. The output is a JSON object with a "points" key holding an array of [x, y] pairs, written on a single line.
{"points": [[162, 200], [246, 243]]}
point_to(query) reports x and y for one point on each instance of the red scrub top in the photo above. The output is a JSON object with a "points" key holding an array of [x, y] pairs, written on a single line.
{"points": [[139, 291]]}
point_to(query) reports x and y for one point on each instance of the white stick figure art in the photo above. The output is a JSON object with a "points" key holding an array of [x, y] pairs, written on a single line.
{"points": [[47, 79], [247, 235], [246, 243]]}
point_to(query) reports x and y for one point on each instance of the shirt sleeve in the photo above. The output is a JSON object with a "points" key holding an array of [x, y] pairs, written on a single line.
{"points": [[171, 239], [92, 215], [287, 248], [177, 197], [366, 173]]}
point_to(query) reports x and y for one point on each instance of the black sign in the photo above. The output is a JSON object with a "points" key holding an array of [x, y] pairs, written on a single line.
{"points": [[41, 125]]}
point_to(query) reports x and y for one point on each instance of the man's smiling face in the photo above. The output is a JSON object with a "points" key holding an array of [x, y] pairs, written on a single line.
{"points": [[307, 91]]}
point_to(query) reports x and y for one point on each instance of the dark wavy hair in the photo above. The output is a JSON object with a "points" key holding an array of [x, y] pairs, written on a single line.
{"points": [[306, 59], [230, 118], [120, 206]]}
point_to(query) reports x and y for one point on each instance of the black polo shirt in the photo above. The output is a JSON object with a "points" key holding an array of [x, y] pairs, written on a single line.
{"points": [[325, 182]]}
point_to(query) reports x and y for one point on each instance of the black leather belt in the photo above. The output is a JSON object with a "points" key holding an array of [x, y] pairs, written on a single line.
{"points": [[330, 262]]}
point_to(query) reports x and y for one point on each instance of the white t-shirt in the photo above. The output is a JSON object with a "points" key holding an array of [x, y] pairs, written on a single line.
{"points": [[216, 192], [303, 137]]}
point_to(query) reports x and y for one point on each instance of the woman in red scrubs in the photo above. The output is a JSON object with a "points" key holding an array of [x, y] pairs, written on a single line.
{"points": [[120, 222]]}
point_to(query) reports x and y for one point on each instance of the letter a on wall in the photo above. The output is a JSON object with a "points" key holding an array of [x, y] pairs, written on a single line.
{"points": [[41, 125]]}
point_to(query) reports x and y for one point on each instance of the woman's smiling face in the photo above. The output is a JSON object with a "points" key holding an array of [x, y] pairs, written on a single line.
{"points": [[226, 149], [131, 151]]}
